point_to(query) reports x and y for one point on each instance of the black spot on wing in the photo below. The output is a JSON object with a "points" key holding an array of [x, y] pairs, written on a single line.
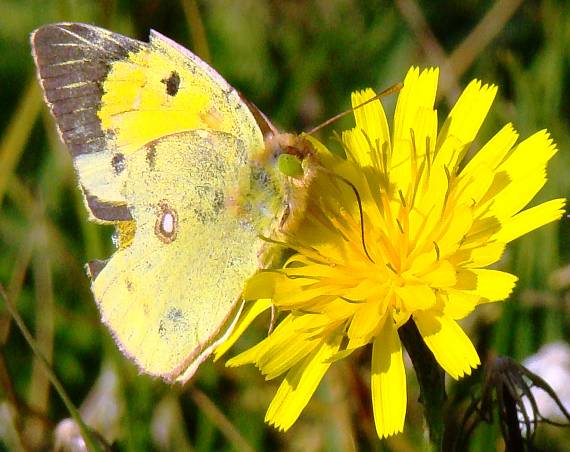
{"points": [[174, 322], [106, 211], [129, 285], [172, 83], [214, 205], [72, 60], [201, 215], [218, 202], [151, 155], [118, 163], [174, 314]]}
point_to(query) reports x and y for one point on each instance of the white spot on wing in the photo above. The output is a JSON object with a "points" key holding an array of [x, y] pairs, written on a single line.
{"points": [[168, 223]]}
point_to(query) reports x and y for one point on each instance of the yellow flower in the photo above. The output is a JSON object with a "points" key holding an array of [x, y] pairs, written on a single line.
{"points": [[398, 230]]}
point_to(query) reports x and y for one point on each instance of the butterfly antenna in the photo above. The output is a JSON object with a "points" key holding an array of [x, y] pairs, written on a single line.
{"points": [[391, 90], [266, 126]]}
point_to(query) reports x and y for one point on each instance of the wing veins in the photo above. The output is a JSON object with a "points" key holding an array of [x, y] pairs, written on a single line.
{"points": [[82, 39]]}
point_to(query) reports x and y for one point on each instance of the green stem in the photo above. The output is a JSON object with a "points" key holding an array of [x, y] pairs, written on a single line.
{"points": [[90, 442], [431, 379]]}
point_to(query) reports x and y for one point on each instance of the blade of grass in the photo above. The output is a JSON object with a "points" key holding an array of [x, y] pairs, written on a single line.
{"points": [[23, 199], [220, 420], [196, 26], [17, 133], [482, 35], [39, 388], [90, 442]]}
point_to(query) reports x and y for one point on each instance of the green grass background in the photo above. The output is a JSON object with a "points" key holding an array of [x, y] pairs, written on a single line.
{"points": [[298, 61]]}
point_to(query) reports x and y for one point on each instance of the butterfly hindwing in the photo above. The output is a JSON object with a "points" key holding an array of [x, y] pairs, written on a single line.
{"points": [[186, 265]]}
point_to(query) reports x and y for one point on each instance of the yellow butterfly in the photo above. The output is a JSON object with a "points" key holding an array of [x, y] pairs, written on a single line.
{"points": [[169, 153]]}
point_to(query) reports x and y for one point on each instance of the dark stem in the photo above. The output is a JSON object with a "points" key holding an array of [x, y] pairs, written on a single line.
{"points": [[431, 379], [510, 423]]}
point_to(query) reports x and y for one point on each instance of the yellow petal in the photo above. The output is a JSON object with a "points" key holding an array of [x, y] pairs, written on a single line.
{"points": [[301, 297], [280, 361], [415, 296], [427, 218], [472, 186], [417, 93], [281, 334], [493, 285], [517, 194], [261, 285], [529, 155], [481, 231], [312, 271], [364, 324], [249, 314], [492, 154], [284, 340], [424, 132], [463, 122], [411, 164], [247, 357], [480, 256], [299, 385], [414, 108], [443, 275], [526, 169], [460, 304], [449, 344], [459, 224], [365, 290], [371, 134], [370, 117], [531, 219], [388, 383]]}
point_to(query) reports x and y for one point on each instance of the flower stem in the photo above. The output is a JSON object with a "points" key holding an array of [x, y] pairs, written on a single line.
{"points": [[430, 378]]}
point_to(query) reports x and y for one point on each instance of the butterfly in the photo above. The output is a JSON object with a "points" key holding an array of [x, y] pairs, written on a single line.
{"points": [[190, 174]]}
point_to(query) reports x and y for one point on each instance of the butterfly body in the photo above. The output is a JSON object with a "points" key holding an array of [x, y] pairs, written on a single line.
{"points": [[168, 152]]}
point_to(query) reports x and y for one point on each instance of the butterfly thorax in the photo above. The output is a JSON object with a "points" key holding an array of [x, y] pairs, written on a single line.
{"points": [[274, 199]]}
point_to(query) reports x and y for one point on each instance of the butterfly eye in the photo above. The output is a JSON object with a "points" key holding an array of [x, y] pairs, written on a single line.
{"points": [[166, 223], [290, 165]]}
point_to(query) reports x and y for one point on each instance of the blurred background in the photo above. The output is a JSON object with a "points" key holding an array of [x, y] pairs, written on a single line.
{"points": [[298, 61]]}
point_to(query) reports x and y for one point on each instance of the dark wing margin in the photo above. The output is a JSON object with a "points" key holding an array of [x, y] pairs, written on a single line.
{"points": [[107, 211], [73, 60]]}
